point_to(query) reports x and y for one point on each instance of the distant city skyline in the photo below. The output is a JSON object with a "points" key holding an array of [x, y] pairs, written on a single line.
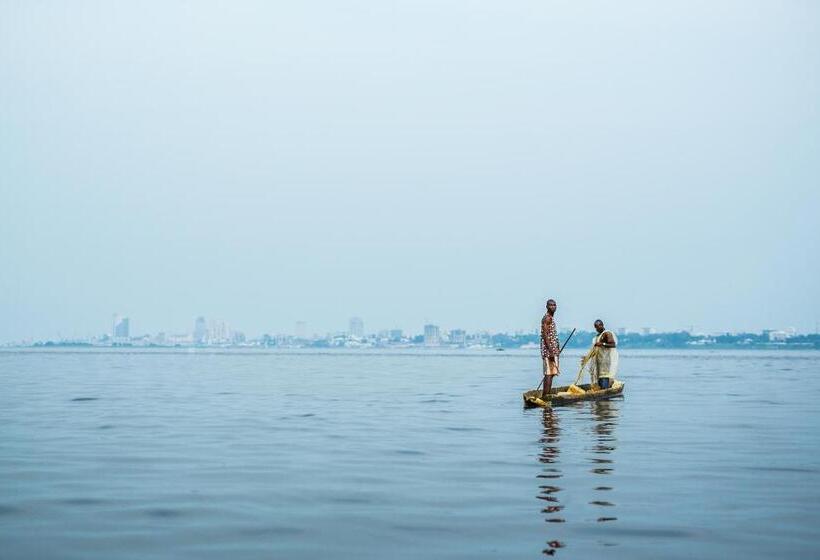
{"points": [[125, 326], [216, 334], [204, 330]]}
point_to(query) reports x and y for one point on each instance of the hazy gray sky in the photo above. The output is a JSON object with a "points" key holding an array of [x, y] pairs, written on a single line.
{"points": [[650, 163]]}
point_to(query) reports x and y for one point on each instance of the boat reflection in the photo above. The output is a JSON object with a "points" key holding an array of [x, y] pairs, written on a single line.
{"points": [[550, 473], [604, 417]]}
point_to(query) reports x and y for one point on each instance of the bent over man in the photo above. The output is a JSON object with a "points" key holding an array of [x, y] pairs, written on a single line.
{"points": [[604, 366]]}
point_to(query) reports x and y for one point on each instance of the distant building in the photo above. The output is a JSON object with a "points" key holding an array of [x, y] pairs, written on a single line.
{"points": [[200, 331], [121, 328], [458, 336], [181, 339], [647, 330], [778, 336], [431, 335], [301, 329], [356, 327], [621, 331], [218, 333], [396, 335]]}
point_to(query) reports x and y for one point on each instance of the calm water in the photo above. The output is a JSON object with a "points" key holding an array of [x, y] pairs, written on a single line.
{"points": [[120, 454]]}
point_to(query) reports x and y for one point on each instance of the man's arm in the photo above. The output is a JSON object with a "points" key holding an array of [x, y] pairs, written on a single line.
{"points": [[608, 340]]}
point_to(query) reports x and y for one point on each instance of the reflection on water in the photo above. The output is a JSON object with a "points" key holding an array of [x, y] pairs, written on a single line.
{"points": [[605, 415], [550, 473], [198, 456], [604, 418]]}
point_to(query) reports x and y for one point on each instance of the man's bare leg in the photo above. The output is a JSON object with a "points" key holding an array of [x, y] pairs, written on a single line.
{"points": [[547, 386], [550, 370]]}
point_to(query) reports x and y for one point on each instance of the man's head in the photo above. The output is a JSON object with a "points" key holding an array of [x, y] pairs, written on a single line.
{"points": [[599, 326], [551, 305]]}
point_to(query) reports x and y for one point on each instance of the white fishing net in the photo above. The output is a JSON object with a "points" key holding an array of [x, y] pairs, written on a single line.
{"points": [[605, 361]]}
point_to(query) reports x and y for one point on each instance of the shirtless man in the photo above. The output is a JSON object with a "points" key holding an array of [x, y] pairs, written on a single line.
{"points": [[549, 347]]}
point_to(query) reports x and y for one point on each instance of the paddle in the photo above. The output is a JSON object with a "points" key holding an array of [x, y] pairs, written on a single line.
{"points": [[559, 353]]}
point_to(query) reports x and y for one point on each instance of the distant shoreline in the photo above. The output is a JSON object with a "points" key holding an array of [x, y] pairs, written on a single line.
{"points": [[419, 348], [456, 339]]}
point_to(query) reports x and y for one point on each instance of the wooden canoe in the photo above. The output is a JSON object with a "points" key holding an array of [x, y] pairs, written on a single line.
{"points": [[559, 395]]}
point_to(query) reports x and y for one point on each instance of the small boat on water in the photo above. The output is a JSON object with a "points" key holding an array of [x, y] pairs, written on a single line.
{"points": [[563, 395]]}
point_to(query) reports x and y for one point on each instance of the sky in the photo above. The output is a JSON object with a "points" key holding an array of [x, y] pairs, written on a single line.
{"points": [[262, 163]]}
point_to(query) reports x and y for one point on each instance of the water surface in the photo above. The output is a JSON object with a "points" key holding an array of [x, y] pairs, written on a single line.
{"points": [[203, 454]]}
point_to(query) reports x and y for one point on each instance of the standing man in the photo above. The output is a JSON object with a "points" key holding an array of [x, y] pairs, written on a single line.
{"points": [[549, 346], [604, 365]]}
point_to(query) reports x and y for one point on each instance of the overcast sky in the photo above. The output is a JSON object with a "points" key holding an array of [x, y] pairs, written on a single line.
{"points": [[650, 163]]}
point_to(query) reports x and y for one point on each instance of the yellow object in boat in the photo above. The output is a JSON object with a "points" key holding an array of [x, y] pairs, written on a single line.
{"points": [[537, 402]]}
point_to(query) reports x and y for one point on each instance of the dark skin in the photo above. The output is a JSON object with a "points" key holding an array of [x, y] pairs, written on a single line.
{"points": [[606, 341], [553, 361]]}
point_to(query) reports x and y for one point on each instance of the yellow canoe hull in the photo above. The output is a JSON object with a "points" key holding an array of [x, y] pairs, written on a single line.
{"points": [[562, 395]]}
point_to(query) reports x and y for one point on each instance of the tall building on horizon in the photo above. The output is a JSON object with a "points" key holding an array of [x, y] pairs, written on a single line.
{"points": [[301, 329], [121, 328], [356, 327], [432, 336], [200, 331], [218, 332]]}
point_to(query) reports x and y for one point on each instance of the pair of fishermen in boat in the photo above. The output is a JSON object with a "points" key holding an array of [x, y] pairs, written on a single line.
{"points": [[603, 364]]}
